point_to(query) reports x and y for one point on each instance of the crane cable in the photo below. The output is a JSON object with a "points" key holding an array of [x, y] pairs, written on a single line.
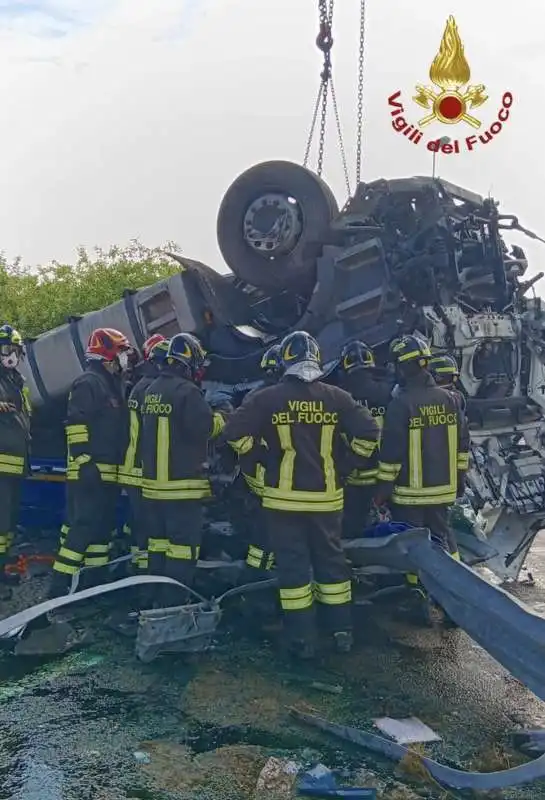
{"points": [[361, 64], [324, 42]]}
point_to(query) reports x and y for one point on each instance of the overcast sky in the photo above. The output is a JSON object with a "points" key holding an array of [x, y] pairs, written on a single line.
{"points": [[130, 118]]}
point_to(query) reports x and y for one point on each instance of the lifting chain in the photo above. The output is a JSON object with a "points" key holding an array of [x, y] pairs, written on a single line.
{"points": [[324, 42], [359, 124]]}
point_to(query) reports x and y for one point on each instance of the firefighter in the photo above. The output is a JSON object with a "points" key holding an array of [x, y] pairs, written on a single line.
{"points": [[177, 423], [357, 375], [130, 474], [97, 432], [424, 452], [444, 370], [302, 422], [14, 437], [260, 555]]}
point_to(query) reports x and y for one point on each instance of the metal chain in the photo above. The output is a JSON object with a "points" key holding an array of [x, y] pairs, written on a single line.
{"points": [[324, 42], [313, 124], [340, 135], [359, 123]]}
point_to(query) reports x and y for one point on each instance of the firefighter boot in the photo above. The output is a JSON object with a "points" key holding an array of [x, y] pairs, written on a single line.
{"points": [[302, 650], [344, 641], [60, 585]]}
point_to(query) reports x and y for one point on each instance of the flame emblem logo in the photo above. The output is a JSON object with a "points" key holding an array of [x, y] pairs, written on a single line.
{"points": [[450, 72]]}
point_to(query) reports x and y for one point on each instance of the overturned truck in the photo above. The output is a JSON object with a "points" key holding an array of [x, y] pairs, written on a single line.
{"points": [[404, 255]]}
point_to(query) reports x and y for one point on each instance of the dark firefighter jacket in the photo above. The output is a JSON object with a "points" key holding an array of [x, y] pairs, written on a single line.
{"points": [[130, 472], [252, 462], [302, 425], [424, 451], [374, 395], [177, 423], [96, 423], [14, 425]]}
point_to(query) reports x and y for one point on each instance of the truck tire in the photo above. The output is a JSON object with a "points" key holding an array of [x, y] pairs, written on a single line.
{"points": [[301, 205]]}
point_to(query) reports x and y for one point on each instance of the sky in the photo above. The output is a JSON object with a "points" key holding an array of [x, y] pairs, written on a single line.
{"points": [[130, 118]]}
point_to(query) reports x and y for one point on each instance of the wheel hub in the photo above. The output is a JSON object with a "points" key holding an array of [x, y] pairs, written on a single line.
{"points": [[272, 225]]}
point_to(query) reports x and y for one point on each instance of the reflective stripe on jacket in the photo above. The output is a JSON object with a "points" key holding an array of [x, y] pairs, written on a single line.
{"points": [[425, 446], [302, 425], [177, 423], [96, 422]]}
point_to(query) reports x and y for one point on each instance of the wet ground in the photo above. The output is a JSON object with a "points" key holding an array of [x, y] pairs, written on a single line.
{"points": [[96, 724]]}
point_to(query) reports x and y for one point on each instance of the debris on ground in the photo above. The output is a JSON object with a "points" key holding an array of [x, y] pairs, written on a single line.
{"points": [[53, 640], [320, 782], [406, 731], [276, 780], [231, 771]]}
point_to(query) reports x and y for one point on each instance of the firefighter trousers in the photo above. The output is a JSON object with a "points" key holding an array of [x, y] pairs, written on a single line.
{"points": [[357, 505], [174, 537], [433, 517], [10, 493], [91, 505], [310, 566], [138, 527]]}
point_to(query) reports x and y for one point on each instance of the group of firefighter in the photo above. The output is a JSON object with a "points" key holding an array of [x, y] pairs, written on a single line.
{"points": [[316, 454]]}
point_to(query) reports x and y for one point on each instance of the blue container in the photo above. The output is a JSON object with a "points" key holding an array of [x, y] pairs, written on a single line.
{"points": [[43, 496]]}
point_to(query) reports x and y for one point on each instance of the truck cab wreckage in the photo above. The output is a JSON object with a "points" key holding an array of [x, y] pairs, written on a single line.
{"points": [[406, 255]]}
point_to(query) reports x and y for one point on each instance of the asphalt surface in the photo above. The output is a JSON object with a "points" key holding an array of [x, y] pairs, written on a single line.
{"points": [[96, 724]]}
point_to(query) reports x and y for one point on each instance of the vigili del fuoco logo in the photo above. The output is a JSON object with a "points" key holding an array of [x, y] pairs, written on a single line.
{"points": [[452, 101]]}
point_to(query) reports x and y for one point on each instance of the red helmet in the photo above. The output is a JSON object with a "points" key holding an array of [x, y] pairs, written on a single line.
{"points": [[150, 343], [105, 344]]}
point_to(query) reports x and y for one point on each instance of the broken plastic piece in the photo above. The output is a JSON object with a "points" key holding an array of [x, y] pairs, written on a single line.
{"points": [[406, 731], [320, 782]]}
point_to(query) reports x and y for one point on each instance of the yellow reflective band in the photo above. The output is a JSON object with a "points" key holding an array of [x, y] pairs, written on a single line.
{"points": [[243, 445], [185, 489], [76, 429], [65, 529], [127, 470], [388, 472], [452, 433], [270, 561], [411, 579], [218, 425], [163, 451], [326, 452], [463, 461], [67, 569], [15, 460], [98, 548], [183, 552], [333, 594], [27, 405], [362, 477], [96, 561], [254, 554], [415, 458], [70, 555], [363, 447], [297, 599], [9, 469], [78, 439], [456, 556], [157, 545], [302, 501]]}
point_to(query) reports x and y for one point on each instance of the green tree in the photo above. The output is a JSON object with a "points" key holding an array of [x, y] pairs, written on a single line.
{"points": [[36, 299]]}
